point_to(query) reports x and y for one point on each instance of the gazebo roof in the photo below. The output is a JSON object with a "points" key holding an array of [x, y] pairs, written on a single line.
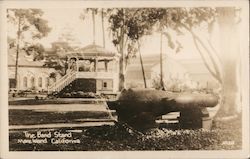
{"points": [[91, 51]]}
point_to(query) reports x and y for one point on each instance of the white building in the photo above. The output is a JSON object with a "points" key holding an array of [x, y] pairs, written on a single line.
{"points": [[178, 74], [172, 71], [199, 73], [32, 75]]}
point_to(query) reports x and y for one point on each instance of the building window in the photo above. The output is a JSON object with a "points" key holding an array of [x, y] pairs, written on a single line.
{"points": [[105, 84], [25, 82], [12, 83], [32, 82], [40, 82]]}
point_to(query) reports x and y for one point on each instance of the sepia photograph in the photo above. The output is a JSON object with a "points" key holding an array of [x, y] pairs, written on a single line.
{"points": [[125, 77]]}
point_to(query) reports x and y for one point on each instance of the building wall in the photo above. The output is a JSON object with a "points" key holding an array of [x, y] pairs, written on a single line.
{"points": [[31, 78], [104, 85], [200, 74], [204, 80], [171, 70]]}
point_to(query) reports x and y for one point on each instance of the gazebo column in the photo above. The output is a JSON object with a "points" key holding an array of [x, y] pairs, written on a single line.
{"points": [[115, 66], [106, 65], [96, 64]]}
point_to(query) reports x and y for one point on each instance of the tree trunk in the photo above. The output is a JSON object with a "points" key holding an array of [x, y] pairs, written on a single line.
{"points": [[17, 50], [121, 73], [142, 67], [229, 50], [122, 62], [103, 31], [93, 19], [229, 89], [161, 65], [229, 63]]}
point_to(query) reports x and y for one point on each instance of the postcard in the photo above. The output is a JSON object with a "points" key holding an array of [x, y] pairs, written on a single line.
{"points": [[124, 79]]}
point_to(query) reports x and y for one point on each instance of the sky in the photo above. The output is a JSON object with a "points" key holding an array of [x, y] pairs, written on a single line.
{"points": [[61, 18]]}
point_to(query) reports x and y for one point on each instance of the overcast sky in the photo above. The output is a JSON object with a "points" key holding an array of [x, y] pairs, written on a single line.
{"points": [[61, 18]]}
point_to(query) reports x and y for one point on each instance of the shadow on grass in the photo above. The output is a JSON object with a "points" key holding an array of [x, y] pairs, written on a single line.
{"points": [[107, 138], [51, 101], [30, 117]]}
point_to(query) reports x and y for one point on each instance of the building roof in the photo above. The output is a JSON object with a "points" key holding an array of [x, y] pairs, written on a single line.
{"points": [[149, 62], [23, 60], [195, 66], [91, 50]]}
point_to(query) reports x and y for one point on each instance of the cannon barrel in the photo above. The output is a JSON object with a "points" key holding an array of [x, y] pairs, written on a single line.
{"points": [[140, 106], [133, 98]]}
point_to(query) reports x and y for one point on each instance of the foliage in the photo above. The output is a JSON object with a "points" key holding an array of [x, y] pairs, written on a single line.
{"points": [[66, 41], [79, 94], [59, 64], [175, 84], [36, 50], [138, 22], [62, 47], [11, 42], [106, 12], [29, 21], [128, 26]]}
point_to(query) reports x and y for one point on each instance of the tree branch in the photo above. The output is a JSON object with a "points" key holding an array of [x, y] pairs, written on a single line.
{"points": [[142, 67], [214, 50], [216, 67], [216, 76]]}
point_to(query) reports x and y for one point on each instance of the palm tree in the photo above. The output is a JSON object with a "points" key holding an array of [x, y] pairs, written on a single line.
{"points": [[93, 20], [94, 12], [103, 31]]}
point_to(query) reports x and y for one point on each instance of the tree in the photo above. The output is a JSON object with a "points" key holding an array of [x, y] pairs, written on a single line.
{"points": [[128, 26], [103, 30], [96, 11], [27, 20], [230, 53], [36, 50], [59, 64], [93, 11], [222, 65]]}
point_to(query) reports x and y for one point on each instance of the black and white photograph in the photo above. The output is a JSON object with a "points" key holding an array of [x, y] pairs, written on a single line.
{"points": [[125, 79]]}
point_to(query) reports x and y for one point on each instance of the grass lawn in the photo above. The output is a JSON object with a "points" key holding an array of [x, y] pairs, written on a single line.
{"points": [[225, 135]]}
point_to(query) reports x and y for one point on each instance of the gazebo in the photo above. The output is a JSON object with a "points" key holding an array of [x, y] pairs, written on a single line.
{"points": [[90, 69]]}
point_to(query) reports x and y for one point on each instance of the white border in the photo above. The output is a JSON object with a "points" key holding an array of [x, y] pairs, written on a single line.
{"points": [[4, 142]]}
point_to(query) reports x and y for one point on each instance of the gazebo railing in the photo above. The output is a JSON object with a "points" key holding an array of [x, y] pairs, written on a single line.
{"points": [[63, 82]]}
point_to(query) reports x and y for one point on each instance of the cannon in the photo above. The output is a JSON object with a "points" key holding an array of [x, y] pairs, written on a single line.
{"points": [[139, 108]]}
